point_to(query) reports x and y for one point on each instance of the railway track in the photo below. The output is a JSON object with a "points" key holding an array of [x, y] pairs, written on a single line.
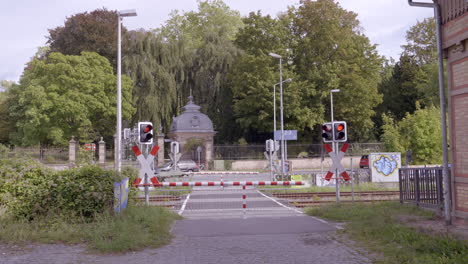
{"points": [[309, 195], [160, 198], [302, 200]]}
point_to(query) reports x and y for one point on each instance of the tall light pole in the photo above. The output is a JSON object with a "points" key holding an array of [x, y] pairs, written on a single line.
{"points": [[118, 147], [274, 104], [334, 144], [274, 55]]}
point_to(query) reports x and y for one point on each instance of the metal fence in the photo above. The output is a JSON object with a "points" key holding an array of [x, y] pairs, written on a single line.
{"points": [[239, 152], [422, 186], [47, 155]]}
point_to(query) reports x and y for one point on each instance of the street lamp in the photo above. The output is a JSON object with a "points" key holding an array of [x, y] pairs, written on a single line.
{"points": [[331, 102], [274, 104], [274, 55], [118, 147], [334, 144]]}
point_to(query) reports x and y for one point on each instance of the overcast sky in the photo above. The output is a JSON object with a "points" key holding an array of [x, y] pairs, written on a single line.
{"points": [[24, 23]]}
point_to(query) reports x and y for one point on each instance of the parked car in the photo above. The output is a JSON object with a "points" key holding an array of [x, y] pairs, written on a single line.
{"points": [[166, 167], [364, 161], [188, 165], [183, 165]]}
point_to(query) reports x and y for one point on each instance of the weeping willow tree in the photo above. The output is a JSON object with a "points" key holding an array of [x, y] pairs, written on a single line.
{"points": [[190, 54], [156, 67], [206, 37]]}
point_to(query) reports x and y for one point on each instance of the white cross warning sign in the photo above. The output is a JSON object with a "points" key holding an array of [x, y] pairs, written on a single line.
{"points": [[336, 162], [145, 164]]}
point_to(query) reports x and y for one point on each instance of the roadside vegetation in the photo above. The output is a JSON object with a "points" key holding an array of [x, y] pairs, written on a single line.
{"points": [[75, 206], [379, 227]]}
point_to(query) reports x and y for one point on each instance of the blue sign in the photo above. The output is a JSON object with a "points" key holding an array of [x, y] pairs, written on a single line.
{"points": [[288, 134], [120, 195]]}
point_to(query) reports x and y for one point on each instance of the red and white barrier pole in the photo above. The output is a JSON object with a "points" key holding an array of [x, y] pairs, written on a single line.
{"points": [[244, 202], [156, 183]]}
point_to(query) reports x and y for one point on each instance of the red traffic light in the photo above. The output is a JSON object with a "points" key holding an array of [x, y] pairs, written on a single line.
{"points": [[145, 132], [148, 128], [339, 131], [340, 127]]}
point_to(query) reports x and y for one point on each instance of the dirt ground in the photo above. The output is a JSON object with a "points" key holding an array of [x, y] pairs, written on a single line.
{"points": [[458, 229]]}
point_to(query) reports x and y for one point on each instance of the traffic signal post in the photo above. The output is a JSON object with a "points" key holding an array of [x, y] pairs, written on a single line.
{"points": [[334, 132]]}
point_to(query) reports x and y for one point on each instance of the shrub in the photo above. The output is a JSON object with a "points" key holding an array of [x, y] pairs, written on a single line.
{"points": [[25, 187], [28, 190], [85, 191]]}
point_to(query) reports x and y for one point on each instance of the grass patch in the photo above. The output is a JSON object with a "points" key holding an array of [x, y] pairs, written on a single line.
{"points": [[377, 228], [136, 228]]}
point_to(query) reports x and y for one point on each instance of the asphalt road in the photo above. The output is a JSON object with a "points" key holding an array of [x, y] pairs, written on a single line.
{"points": [[296, 239], [217, 230]]}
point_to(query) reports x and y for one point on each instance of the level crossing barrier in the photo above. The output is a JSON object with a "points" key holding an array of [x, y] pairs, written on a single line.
{"points": [[226, 198]]}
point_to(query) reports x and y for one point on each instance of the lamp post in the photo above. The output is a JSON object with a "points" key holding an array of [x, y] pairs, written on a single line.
{"points": [[334, 144], [118, 147], [274, 104], [274, 55]]}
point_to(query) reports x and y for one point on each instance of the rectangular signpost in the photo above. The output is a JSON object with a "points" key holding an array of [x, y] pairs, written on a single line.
{"points": [[288, 134]]}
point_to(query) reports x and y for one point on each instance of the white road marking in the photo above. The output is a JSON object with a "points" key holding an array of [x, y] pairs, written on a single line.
{"points": [[184, 204], [318, 219], [297, 211]]}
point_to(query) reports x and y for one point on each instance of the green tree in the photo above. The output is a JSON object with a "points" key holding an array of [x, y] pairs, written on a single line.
{"points": [[419, 132], [206, 38], [95, 31], [63, 96], [391, 135], [154, 66], [255, 72], [6, 123], [330, 51], [422, 42], [399, 91]]}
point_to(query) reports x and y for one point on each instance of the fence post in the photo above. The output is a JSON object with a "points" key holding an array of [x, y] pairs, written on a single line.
{"points": [[400, 181], [72, 152], [102, 152], [439, 186], [416, 186]]}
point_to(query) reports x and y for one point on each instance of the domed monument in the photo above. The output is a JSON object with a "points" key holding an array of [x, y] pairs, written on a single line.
{"points": [[194, 131]]}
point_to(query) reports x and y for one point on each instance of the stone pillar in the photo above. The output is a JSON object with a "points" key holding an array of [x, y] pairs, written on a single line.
{"points": [[208, 152], [102, 153], [160, 158], [72, 153]]}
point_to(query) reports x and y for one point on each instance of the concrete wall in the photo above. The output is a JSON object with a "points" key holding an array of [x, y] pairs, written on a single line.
{"points": [[297, 164]]}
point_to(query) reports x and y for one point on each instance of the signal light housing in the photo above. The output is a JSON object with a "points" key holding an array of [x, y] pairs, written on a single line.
{"points": [[340, 132], [327, 132], [145, 132]]}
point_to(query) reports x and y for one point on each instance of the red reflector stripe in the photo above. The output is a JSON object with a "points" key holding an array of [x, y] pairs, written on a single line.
{"points": [[328, 176], [137, 182], [154, 150], [136, 150]]}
